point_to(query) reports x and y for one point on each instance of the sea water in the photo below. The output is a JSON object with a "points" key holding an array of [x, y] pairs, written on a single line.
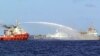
{"points": [[49, 48]]}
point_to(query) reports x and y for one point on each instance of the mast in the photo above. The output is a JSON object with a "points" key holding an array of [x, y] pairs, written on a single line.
{"points": [[92, 30], [17, 23]]}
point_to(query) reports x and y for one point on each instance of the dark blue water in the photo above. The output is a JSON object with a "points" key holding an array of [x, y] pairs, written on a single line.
{"points": [[49, 48]]}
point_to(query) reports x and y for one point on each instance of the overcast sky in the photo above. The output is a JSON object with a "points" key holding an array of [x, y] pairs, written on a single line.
{"points": [[78, 14]]}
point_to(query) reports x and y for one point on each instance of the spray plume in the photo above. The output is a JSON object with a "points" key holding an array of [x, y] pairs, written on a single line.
{"points": [[70, 34]]}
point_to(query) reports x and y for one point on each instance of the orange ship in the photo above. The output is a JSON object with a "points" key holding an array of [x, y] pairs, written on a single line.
{"points": [[14, 32]]}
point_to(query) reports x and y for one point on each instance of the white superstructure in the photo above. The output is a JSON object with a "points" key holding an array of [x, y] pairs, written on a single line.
{"points": [[13, 29]]}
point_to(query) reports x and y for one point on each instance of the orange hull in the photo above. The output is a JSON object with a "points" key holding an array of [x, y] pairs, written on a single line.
{"points": [[15, 37]]}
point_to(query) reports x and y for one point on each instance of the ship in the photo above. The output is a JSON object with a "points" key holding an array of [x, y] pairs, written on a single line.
{"points": [[14, 32], [89, 34]]}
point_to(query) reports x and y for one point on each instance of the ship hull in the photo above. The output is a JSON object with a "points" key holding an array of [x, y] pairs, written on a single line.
{"points": [[15, 37]]}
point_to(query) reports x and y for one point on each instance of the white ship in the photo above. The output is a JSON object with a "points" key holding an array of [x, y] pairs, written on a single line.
{"points": [[67, 33], [90, 34]]}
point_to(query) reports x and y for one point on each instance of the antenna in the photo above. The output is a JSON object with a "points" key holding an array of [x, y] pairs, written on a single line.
{"points": [[92, 25], [17, 22]]}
